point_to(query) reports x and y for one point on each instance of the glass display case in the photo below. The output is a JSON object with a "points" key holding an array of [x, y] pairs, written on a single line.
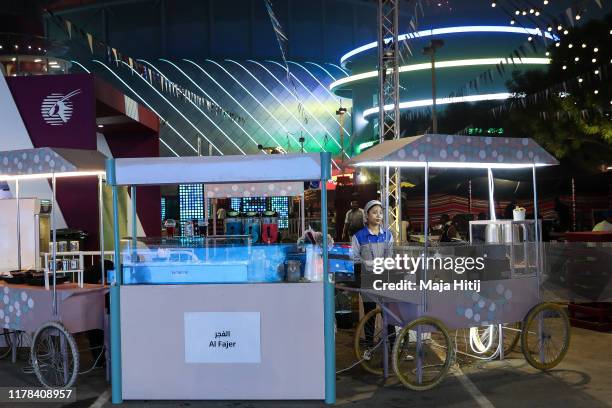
{"points": [[218, 259], [509, 247]]}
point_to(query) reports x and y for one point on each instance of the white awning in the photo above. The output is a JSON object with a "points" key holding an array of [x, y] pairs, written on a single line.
{"points": [[218, 169]]}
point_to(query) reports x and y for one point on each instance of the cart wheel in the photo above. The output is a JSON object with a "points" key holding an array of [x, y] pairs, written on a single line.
{"points": [[546, 336], [5, 337], [369, 342], [423, 353], [54, 356]]}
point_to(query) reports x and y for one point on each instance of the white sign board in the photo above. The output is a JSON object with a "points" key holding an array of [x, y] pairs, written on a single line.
{"points": [[222, 337]]}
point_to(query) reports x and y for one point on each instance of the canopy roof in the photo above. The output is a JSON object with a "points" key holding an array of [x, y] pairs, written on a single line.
{"points": [[46, 160], [218, 169], [456, 151]]}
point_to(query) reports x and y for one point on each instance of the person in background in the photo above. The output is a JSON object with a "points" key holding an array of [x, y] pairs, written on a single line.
{"points": [[606, 224], [221, 213], [407, 227], [562, 213], [449, 231], [353, 221]]}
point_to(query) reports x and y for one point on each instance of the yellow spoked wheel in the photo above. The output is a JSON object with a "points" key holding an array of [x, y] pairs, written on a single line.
{"points": [[369, 342], [546, 336], [423, 353]]}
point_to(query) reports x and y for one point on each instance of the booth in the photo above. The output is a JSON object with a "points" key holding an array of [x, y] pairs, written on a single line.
{"points": [[48, 315], [217, 317], [511, 273]]}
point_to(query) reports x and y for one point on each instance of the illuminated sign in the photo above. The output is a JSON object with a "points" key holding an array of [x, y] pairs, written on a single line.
{"points": [[485, 131]]}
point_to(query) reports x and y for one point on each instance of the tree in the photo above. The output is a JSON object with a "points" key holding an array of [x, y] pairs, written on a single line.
{"points": [[567, 109]]}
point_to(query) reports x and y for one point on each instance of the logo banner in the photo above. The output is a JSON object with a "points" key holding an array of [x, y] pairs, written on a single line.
{"points": [[57, 110]]}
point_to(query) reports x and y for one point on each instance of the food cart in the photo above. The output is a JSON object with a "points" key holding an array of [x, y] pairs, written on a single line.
{"points": [[424, 349], [50, 317], [218, 325]]}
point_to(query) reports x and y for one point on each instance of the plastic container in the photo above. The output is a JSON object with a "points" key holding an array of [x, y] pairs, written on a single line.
{"points": [[518, 214], [252, 226], [269, 227], [74, 246], [294, 270], [233, 224]]}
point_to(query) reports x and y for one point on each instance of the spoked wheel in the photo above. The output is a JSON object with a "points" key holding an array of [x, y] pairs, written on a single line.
{"points": [[423, 353], [546, 336], [6, 341], [54, 356], [369, 342]]}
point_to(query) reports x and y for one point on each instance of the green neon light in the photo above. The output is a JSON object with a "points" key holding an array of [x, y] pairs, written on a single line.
{"points": [[362, 146]]}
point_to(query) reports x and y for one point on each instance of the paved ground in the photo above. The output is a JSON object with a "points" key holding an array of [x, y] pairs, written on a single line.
{"points": [[582, 380]]}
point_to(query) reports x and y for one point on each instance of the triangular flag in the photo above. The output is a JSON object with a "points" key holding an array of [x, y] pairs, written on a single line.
{"points": [[599, 3], [69, 28], [131, 62], [115, 55], [90, 41], [570, 17]]}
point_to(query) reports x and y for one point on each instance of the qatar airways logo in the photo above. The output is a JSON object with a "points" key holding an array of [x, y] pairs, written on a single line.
{"points": [[56, 108]]}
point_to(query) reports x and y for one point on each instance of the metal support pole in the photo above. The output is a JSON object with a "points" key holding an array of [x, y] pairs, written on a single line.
{"points": [[434, 115], [386, 201], [328, 290], [389, 118], [115, 299], [573, 204], [134, 225], [536, 228], [491, 188], [470, 196], [302, 214], [54, 246], [385, 344], [101, 232], [342, 140], [18, 225], [214, 210], [426, 234]]}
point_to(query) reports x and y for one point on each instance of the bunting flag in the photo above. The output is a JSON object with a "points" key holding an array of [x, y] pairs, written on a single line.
{"points": [[69, 28], [90, 42], [112, 54], [283, 41], [570, 16]]}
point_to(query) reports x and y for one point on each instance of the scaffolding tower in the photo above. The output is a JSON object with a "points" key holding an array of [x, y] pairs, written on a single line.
{"points": [[388, 110]]}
